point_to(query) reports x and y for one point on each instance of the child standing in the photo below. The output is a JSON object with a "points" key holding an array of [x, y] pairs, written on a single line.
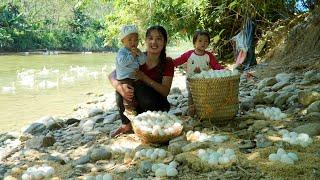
{"points": [[128, 59], [197, 60]]}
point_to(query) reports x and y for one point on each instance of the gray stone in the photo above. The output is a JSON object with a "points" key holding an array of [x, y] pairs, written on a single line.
{"points": [[49, 122], [281, 100], [100, 154], [258, 98], [246, 105], [94, 111], [279, 85], [176, 147], [307, 97], [195, 145], [313, 129], [88, 125], [271, 96], [111, 118], [54, 159], [266, 82], [262, 142], [284, 77], [145, 167], [312, 76], [314, 107], [82, 160], [34, 129], [313, 116], [72, 121], [258, 125], [292, 100], [40, 141]]}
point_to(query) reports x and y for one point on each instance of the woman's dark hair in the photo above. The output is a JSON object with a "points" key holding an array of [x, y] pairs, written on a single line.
{"points": [[200, 33], [164, 33]]}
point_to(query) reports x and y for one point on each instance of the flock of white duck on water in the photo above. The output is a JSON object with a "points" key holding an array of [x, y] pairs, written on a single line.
{"points": [[47, 78]]}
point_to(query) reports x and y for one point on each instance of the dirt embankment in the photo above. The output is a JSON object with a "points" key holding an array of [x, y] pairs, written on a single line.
{"points": [[292, 45]]}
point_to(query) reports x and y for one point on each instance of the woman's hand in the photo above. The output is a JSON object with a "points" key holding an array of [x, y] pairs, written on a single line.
{"points": [[140, 75], [126, 91]]}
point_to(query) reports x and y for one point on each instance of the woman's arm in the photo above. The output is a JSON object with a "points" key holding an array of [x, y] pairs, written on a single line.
{"points": [[163, 88], [125, 90]]}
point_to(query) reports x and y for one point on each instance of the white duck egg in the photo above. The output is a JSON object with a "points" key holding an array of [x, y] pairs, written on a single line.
{"points": [[229, 152], [154, 156], [107, 176], [286, 159], [143, 152], [155, 167], [293, 134], [283, 131], [162, 153], [302, 137], [161, 172], [274, 157], [293, 156], [171, 171], [280, 152], [149, 152], [155, 132], [161, 132], [174, 164], [213, 161], [224, 160], [201, 152]]}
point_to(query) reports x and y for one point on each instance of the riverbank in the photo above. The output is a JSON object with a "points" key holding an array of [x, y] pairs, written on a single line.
{"points": [[79, 143]]}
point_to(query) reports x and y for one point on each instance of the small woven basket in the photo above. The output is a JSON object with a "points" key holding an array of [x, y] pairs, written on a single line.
{"points": [[216, 98], [149, 138]]}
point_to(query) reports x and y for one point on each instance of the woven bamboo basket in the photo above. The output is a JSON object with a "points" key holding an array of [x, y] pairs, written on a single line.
{"points": [[215, 98], [149, 138]]}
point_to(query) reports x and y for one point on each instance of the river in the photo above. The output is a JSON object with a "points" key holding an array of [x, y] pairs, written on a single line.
{"points": [[33, 86]]}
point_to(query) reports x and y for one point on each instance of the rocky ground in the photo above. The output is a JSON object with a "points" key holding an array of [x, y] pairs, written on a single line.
{"points": [[78, 146]]}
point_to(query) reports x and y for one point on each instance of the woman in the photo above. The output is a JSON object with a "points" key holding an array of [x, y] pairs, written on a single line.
{"points": [[155, 79]]}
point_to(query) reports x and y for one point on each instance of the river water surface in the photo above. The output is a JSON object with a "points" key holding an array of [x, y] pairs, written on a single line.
{"points": [[34, 86]]}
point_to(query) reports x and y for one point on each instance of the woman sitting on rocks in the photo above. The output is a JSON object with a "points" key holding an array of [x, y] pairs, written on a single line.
{"points": [[154, 80]]}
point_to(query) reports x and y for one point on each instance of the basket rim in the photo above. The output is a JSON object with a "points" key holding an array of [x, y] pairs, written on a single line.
{"points": [[214, 78], [150, 138]]}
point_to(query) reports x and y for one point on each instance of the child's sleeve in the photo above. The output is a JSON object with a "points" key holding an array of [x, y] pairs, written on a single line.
{"points": [[142, 58], [182, 59], [124, 57], [213, 62]]}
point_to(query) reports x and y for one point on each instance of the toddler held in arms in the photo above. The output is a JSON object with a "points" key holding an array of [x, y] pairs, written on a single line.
{"points": [[128, 59]]}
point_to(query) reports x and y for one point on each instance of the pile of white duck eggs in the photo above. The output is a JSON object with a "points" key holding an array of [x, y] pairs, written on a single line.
{"points": [[272, 113], [221, 156], [158, 123], [202, 137], [296, 139], [283, 156], [152, 153], [164, 170], [38, 172], [214, 74]]}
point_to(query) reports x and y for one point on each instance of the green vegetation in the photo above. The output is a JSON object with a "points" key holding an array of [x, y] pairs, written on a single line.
{"points": [[90, 25]]}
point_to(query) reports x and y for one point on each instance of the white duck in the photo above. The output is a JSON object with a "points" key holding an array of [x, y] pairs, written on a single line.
{"points": [[9, 89]]}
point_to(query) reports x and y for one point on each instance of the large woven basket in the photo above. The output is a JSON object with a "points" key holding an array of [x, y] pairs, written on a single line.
{"points": [[149, 138], [216, 98]]}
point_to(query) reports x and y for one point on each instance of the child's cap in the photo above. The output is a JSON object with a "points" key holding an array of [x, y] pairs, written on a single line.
{"points": [[126, 30]]}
